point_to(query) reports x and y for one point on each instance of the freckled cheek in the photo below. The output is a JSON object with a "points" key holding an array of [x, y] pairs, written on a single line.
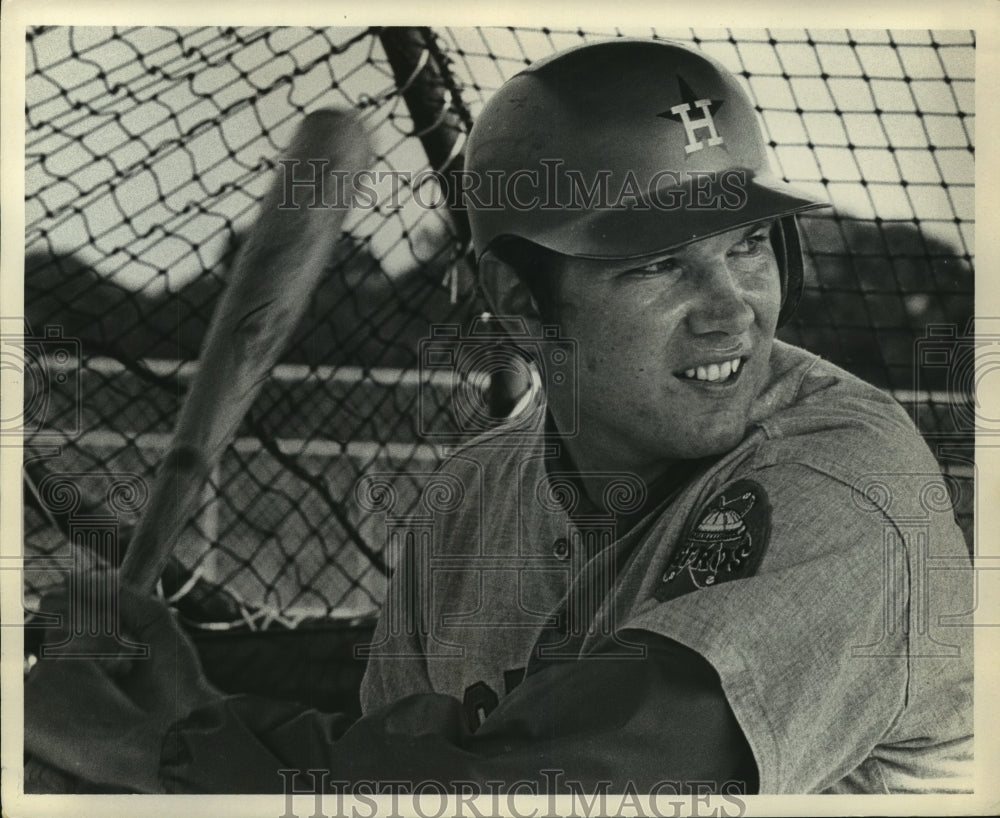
{"points": [[594, 354], [615, 357], [619, 341]]}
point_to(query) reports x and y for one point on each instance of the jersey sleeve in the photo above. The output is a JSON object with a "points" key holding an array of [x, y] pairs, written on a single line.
{"points": [[584, 725], [836, 655], [398, 654], [397, 664]]}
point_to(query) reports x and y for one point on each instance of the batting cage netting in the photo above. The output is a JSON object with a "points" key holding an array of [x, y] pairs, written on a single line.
{"points": [[147, 152]]}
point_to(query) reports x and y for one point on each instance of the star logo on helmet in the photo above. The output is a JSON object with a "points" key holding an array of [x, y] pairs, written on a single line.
{"points": [[694, 126]]}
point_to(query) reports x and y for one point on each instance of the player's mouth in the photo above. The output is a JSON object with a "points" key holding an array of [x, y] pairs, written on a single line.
{"points": [[714, 374]]}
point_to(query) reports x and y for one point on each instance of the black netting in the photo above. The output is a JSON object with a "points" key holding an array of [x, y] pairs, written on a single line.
{"points": [[148, 149]]}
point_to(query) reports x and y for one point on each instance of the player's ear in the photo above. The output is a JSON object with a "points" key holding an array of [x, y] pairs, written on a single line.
{"points": [[506, 293]]}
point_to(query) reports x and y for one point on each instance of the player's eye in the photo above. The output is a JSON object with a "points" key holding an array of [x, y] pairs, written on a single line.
{"points": [[753, 244], [658, 267]]}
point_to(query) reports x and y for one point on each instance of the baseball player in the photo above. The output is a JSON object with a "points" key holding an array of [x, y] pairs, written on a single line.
{"points": [[698, 557]]}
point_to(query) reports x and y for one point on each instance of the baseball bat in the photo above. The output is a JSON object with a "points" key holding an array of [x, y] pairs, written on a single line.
{"points": [[269, 285]]}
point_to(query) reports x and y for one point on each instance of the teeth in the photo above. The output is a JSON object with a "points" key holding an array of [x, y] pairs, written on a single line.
{"points": [[714, 372]]}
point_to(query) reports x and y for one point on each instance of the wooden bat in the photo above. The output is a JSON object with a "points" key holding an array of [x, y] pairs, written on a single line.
{"points": [[269, 285]]}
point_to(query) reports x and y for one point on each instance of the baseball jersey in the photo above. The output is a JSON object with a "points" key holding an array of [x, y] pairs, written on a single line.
{"points": [[817, 567], [815, 572]]}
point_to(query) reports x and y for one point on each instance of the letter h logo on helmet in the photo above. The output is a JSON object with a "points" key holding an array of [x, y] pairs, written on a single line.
{"points": [[681, 113]]}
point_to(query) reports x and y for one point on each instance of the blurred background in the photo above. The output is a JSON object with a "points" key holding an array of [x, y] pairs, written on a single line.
{"points": [[147, 151]]}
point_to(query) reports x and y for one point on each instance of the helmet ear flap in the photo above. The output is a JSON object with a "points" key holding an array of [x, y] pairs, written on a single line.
{"points": [[787, 243]]}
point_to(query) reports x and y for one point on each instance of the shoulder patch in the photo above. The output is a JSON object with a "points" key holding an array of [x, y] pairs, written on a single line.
{"points": [[726, 542]]}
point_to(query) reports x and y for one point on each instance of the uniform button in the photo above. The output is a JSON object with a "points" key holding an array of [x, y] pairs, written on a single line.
{"points": [[560, 548]]}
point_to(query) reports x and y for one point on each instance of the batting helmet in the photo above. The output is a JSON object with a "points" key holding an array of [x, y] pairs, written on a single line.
{"points": [[627, 149]]}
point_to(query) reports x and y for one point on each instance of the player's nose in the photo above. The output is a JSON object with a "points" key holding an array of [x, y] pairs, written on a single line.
{"points": [[718, 303]]}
